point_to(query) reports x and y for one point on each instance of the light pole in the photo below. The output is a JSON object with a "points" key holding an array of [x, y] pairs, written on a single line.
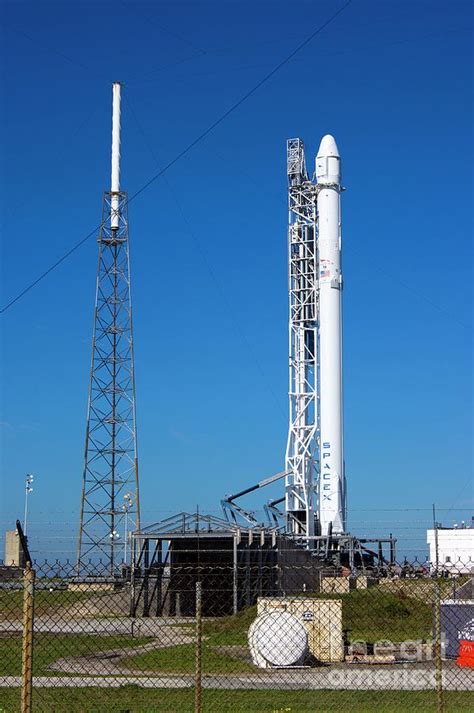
{"points": [[28, 489], [128, 498]]}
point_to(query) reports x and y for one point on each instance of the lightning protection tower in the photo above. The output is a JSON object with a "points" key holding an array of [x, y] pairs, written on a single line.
{"points": [[110, 492], [302, 446]]}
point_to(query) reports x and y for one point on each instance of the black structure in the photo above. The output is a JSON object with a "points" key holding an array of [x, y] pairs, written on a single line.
{"points": [[234, 564]]}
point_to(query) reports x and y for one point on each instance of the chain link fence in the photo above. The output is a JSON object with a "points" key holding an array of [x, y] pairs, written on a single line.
{"points": [[257, 638]]}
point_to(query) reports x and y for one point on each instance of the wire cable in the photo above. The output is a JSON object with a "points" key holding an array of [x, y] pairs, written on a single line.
{"points": [[186, 150], [56, 52], [171, 33], [50, 269], [217, 283], [239, 103]]}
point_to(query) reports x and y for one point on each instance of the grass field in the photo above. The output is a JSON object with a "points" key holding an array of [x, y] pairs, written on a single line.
{"points": [[368, 614], [181, 659], [374, 614], [46, 602], [396, 610], [227, 631], [132, 699], [424, 588], [51, 647]]}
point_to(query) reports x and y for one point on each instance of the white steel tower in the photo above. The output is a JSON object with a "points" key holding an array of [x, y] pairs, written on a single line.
{"points": [[314, 455]]}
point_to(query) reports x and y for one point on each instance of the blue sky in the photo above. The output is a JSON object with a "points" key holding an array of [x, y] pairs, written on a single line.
{"points": [[393, 82]]}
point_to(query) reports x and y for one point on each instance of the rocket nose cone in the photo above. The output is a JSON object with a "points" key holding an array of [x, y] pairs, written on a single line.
{"points": [[328, 146]]}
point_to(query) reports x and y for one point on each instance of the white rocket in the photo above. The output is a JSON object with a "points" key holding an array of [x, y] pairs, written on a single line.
{"points": [[332, 506], [314, 462]]}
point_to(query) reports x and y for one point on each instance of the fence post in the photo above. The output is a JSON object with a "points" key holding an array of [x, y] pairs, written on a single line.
{"points": [[235, 581], [27, 641], [438, 659], [437, 622], [198, 667]]}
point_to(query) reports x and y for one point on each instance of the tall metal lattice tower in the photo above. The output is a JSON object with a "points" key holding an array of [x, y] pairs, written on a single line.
{"points": [[110, 506], [302, 451]]}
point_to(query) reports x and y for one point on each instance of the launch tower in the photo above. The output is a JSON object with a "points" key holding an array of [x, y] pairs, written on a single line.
{"points": [[302, 451], [315, 483]]}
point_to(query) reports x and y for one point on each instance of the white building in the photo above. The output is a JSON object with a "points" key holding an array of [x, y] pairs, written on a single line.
{"points": [[455, 549]]}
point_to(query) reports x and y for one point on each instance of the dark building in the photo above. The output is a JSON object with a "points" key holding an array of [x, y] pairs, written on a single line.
{"points": [[234, 564]]}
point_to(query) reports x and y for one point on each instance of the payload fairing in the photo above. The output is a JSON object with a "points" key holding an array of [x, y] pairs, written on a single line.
{"points": [[314, 456]]}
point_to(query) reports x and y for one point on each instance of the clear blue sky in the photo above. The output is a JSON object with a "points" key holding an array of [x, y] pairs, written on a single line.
{"points": [[393, 82]]}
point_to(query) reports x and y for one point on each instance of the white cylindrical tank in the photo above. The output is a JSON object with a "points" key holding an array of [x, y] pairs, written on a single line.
{"points": [[277, 638], [115, 179], [331, 478]]}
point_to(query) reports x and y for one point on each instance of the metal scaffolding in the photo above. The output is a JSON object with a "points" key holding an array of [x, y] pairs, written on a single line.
{"points": [[302, 447]]}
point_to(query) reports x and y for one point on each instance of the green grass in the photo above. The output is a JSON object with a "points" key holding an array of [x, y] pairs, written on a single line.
{"points": [[225, 631], [424, 588], [230, 630], [11, 601], [181, 659], [132, 699], [369, 615], [374, 614], [51, 647]]}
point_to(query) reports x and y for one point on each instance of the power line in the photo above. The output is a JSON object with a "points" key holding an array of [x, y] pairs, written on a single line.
{"points": [[55, 51], [408, 287], [50, 269], [172, 33], [217, 284], [92, 72], [10, 211], [262, 65], [240, 101], [186, 150]]}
